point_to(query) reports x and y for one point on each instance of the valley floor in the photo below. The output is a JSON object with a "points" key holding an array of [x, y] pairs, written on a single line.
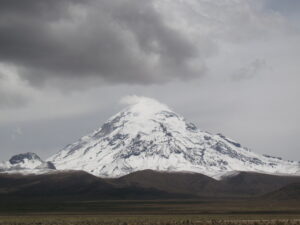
{"points": [[42, 219], [217, 212]]}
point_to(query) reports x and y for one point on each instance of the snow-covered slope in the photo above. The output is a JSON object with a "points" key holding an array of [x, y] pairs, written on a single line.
{"points": [[26, 163], [149, 135]]}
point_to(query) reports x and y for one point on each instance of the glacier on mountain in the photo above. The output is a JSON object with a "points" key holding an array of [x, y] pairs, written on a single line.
{"points": [[26, 163], [149, 135]]}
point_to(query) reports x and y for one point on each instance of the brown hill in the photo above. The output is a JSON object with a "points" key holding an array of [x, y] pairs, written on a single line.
{"points": [[289, 192], [145, 184], [188, 183], [244, 184], [256, 184], [77, 184]]}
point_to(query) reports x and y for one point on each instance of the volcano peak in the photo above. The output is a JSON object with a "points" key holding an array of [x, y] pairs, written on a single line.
{"points": [[147, 134]]}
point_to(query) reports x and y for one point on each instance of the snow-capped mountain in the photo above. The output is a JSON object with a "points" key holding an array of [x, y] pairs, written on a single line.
{"points": [[149, 135], [26, 162]]}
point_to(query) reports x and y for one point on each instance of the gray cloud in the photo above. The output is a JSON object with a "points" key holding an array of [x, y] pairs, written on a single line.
{"points": [[286, 7], [11, 100], [250, 70], [116, 41], [123, 45], [9, 96]]}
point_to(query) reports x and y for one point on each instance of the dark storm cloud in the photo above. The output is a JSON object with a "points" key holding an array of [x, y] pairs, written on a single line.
{"points": [[116, 41], [74, 43]]}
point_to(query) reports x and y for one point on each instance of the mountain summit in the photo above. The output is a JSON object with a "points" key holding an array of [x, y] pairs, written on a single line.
{"points": [[28, 162], [149, 135]]}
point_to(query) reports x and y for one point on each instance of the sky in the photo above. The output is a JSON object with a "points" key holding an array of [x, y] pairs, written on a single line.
{"points": [[229, 66]]}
